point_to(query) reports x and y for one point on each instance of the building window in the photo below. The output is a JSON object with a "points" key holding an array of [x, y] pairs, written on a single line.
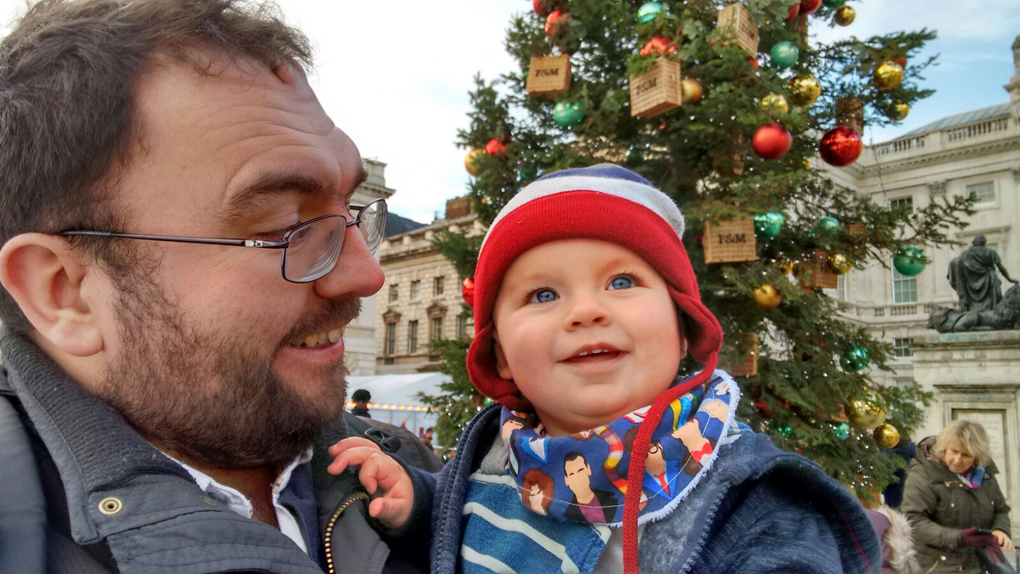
{"points": [[904, 288], [391, 339], [983, 193], [903, 382], [415, 290], [437, 285], [842, 288], [461, 326], [412, 337], [901, 347], [906, 203], [394, 292], [436, 332]]}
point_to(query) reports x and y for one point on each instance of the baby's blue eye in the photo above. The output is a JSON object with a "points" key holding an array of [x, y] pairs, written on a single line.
{"points": [[621, 282], [543, 296]]}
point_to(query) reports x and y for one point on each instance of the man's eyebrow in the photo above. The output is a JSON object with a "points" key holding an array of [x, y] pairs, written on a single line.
{"points": [[270, 185]]}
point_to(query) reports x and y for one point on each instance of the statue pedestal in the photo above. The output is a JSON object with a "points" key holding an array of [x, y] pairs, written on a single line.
{"points": [[976, 376]]}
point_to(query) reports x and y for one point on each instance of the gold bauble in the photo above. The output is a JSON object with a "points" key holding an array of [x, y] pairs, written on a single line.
{"points": [[786, 266], [898, 111], [845, 16], [690, 91], [839, 263], [888, 76], [804, 90], [887, 436], [865, 414], [470, 161], [767, 296], [775, 104]]}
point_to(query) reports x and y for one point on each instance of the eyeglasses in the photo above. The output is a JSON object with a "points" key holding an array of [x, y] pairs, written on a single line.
{"points": [[310, 249]]}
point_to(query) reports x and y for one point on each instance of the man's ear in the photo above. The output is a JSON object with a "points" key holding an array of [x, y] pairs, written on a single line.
{"points": [[502, 367], [46, 278]]}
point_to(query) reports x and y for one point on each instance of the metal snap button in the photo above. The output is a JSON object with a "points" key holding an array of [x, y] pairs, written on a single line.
{"points": [[110, 506], [207, 500]]}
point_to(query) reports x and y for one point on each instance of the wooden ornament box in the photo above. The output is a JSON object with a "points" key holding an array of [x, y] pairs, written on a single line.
{"points": [[548, 76], [749, 367], [730, 241], [815, 271], [737, 27], [657, 90], [850, 113]]}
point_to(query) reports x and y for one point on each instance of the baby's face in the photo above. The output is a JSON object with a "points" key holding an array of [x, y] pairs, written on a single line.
{"points": [[588, 332]]}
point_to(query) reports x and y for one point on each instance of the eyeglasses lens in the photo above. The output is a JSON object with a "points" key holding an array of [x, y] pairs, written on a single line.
{"points": [[373, 224], [314, 249]]}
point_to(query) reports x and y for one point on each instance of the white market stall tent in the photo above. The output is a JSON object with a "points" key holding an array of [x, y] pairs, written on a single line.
{"points": [[395, 398]]}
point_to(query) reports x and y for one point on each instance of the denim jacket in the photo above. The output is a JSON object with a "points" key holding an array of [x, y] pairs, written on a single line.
{"points": [[764, 510]]}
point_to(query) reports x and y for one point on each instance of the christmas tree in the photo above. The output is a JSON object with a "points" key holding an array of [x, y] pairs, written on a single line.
{"points": [[727, 108]]}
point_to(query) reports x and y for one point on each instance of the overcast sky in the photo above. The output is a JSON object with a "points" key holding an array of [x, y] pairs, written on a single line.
{"points": [[395, 75]]}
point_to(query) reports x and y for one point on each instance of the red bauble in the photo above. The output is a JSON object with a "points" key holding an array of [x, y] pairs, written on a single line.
{"points": [[496, 148], [754, 63], [658, 45], [794, 11], [902, 61], [556, 23], [808, 7], [467, 290], [771, 141], [542, 7], [840, 146]]}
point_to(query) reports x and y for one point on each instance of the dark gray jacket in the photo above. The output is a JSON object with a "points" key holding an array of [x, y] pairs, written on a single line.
{"points": [[82, 492]]}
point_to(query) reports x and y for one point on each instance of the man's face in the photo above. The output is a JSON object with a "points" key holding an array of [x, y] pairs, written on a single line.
{"points": [[577, 475], [587, 330], [204, 344]]}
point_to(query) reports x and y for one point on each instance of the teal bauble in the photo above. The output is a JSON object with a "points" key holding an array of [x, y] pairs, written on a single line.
{"points": [[910, 261], [828, 226], [568, 114], [833, 3], [856, 359], [785, 431], [768, 224], [784, 54], [635, 157], [841, 431], [648, 12]]}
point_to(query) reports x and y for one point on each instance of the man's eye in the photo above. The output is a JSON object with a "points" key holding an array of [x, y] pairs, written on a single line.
{"points": [[621, 282], [543, 296]]}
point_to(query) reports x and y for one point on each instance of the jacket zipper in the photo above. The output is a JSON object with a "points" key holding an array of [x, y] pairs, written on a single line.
{"points": [[328, 538]]}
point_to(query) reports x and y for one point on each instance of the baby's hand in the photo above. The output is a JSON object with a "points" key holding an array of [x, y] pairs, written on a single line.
{"points": [[392, 505]]}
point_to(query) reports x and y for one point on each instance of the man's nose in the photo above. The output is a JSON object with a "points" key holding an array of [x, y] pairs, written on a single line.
{"points": [[356, 274], [587, 310]]}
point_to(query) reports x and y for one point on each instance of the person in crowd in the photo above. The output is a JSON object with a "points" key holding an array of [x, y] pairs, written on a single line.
{"points": [[361, 398], [180, 258], [953, 501], [907, 450], [582, 324], [897, 537], [427, 437]]}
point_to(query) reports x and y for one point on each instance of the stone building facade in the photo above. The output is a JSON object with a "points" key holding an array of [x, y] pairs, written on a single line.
{"points": [[421, 299], [359, 337]]}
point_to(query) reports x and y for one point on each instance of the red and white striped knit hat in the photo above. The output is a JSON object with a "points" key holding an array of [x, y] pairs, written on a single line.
{"points": [[604, 202]]}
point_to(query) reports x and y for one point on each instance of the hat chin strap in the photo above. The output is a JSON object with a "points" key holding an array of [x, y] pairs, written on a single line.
{"points": [[635, 472]]}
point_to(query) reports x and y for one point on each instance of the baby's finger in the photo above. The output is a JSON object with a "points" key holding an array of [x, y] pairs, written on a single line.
{"points": [[385, 509], [350, 443], [369, 473], [353, 456]]}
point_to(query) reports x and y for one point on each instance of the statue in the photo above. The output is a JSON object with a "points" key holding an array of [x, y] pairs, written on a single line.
{"points": [[973, 275]]}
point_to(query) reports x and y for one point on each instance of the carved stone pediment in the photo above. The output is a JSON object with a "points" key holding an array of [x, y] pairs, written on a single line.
{"points": [[436, 310], [391, 316]]}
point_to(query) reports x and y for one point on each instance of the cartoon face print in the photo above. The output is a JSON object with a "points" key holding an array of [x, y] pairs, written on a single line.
{"points": [[510, 425], [655, 464], [717, 409], [722, 388], [537, 491], [577, 476], [690, 435]]}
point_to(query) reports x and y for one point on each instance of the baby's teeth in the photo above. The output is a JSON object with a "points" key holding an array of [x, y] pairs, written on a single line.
{"points": [[334, 335], [582, 354], [596, 351]]}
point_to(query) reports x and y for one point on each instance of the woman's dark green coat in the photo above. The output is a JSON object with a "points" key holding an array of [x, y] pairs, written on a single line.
{"points": [[938, 506]]}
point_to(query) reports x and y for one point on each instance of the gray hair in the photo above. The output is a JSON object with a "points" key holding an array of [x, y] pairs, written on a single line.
{"points": [[971, 435], [68, 72]]}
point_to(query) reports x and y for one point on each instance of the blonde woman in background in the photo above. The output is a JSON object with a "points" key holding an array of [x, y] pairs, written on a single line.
{"points": [[953, 501]]}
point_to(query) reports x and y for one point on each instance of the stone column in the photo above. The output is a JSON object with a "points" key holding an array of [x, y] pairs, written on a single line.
{"points": [[1013, 87], [976, 376]]}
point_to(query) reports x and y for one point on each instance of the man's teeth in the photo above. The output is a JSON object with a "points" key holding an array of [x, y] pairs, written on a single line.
{"points": [[322, 339]]}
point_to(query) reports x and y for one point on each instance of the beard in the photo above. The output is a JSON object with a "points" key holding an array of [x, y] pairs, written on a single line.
{"points": [[212, 399]]}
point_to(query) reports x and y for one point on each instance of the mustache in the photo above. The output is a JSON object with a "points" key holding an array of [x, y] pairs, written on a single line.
{"points": [[338, 312]]}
